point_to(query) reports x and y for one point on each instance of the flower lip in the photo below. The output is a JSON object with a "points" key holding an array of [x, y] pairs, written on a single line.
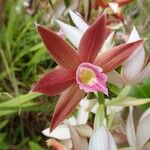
{"points": [[90, 78]]}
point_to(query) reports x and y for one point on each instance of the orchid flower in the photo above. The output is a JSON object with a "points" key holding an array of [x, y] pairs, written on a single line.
{"points": [[138, 137], [79, 71], [134, 69], [113, 7]]}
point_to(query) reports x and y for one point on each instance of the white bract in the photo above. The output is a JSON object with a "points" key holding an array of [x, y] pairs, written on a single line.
{"points": [[138, 137], [134, 69]]}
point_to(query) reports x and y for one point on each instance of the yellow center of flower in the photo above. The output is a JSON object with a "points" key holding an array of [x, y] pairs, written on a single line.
{"points": [[87, 75]]}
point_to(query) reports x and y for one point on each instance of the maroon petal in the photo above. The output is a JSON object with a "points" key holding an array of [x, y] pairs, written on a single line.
{"points": [[116, 56], [62, 52], [55, 82], [66, 104], [92, 40]]}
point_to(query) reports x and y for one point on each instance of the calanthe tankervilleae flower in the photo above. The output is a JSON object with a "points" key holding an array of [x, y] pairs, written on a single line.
{"points": [[79, 71]]}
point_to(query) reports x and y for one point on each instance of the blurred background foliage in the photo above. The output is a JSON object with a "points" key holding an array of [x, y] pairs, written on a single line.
{"points": [[23, 59]]}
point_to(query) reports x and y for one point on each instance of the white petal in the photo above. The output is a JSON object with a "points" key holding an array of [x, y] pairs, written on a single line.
{"points": [[94, 109], [78, 21], [143, 130], [133, 65], [130, 129], [102, 140], [72, 121], [114, 7], [61, 132], [143, 75], [84, 103], [88, 104], [58, 11], [82, 116], [114, 78], [111, 109], [108, 42], [61, 34], [145, 114], [72, 33]]}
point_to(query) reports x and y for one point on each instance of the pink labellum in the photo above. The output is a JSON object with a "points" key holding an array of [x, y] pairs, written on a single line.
{"points": [[90, 78]]}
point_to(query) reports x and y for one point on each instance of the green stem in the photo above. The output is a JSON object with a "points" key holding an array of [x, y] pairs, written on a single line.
{"points": [[101, 101], [101, 98]]}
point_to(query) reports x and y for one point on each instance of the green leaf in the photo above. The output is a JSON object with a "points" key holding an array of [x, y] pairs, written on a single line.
{"points": [[141, 91], [3, 124], [131, 101], [35, 146], [22, 102]]}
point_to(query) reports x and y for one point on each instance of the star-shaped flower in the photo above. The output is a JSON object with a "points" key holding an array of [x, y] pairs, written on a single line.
{"points": [[79, 71]]}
